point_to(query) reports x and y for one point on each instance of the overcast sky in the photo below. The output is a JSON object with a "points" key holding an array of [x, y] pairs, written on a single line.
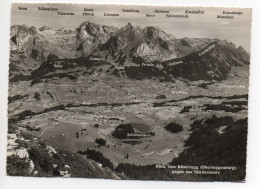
{"points": [[237, 30]]}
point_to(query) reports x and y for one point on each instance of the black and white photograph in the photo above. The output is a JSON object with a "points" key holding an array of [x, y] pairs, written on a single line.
{"points": [[128, 92]]}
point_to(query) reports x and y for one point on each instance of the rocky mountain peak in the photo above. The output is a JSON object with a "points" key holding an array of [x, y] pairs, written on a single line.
{"points": [[128, 30], [241, 49], [129, 24], [45, 28], [227, 44], [151, 32], [87, 29], [155, 32], [20, 35], [243, 54], [94, 32], [109, 29], [33, 29]]}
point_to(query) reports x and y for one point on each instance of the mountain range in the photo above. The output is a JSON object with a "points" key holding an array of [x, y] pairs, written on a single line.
{"points": [[131, 48]]}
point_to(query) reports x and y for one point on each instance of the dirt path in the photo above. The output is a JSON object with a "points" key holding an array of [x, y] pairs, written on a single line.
{"points": [[46, 129]]}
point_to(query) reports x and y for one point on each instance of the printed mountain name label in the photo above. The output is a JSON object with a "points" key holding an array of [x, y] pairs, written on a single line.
{"points": [[176, 16], [109, 14], [161, 11], [175, 63], [66, 13], [150, 15], [130, 10], [88, 9], [47, 9], [148, 64], [207, 50], [232, 12], [96, 58], [194, 12], [22, 8]]}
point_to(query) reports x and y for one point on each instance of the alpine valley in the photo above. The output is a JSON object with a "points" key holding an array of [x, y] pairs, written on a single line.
{"points": [[124, 103]]}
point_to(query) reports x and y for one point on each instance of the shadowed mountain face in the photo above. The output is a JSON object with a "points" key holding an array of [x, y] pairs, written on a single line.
{"points": [[215, 61], [130, 47]]}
